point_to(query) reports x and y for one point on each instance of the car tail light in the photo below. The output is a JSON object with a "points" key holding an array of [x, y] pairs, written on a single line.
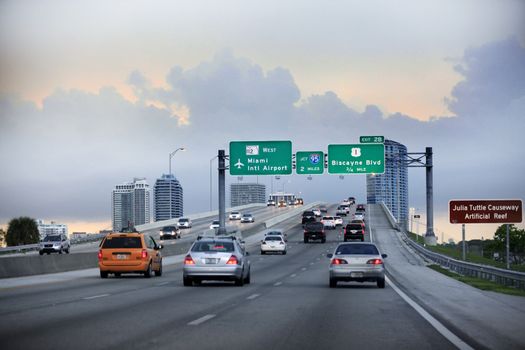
{"points": [[375, 261], [100, 254], [188, 260], [336, 261], [144, 254], [232, 260]]}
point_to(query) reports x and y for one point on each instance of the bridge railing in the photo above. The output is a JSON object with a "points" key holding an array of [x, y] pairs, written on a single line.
{"points": [[501, 276]]}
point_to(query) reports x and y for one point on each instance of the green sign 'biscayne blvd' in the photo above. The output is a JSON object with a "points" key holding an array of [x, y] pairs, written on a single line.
{"points": [[308, 163], [356, 159], [260, 158]]}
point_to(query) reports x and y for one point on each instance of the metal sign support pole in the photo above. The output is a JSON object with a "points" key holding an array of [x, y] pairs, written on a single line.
{"points": [[464, 254], [430, 237], [222, 192], [508, 248]]}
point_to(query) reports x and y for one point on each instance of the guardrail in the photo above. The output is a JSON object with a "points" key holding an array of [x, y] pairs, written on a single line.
{"points": [[501, 276], [35, 246]]}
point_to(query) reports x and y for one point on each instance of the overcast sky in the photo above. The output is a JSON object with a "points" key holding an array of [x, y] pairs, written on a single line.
{"points": [[94, 93]]}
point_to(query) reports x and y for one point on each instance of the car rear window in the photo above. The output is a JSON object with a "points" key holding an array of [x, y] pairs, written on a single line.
{"points": [[183, 220], [354, 227], [357, 249], [308, 213], [314, 226], [273, 238], [212, 247], [328, 218], [122, 242]]}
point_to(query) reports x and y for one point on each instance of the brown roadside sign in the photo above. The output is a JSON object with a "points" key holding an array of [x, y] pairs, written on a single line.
{"points": [[487, 211]]}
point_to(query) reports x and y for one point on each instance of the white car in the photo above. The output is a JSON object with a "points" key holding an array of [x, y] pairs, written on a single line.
{"points": [[317, 212], [247, 218], [338, 221], [235, 215], [184, 223], [277, 232], [215, 224], [273, 243], [328, 221], [341, 211], [359, 216]]}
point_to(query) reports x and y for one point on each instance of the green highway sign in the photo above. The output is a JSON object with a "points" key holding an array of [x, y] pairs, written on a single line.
{"points": [[260, 158], [372, 139], [356, 159], [309, 162]]}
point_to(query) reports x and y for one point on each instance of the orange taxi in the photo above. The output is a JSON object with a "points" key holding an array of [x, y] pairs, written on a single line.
{"points": [[129, 253]]}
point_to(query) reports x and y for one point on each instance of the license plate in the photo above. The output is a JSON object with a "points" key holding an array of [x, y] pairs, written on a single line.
{"points": [[356, 274], [122, 256], [210, 261]]}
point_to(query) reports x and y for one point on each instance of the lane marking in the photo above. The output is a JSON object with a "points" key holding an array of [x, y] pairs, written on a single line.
{"points": [[451, 337], [162, 284], [277, 283], [370, 226], [253, 296], [96, 296], [312, 263], [304, 269], [293, 275], [201, 320]]}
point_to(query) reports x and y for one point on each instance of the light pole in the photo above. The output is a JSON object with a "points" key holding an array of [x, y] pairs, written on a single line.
{"points": [[171, 156], [211, 200]]}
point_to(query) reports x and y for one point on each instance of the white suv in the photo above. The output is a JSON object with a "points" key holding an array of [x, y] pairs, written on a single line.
{"points": [[54, 244], [235, 215]]}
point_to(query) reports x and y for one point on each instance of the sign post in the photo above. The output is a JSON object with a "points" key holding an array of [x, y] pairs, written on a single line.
{"points": [[260, 158], [356, 159], [489, 211], [308, 163]]}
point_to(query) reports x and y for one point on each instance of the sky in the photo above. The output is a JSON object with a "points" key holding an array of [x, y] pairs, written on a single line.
{"points": [[95, 93]]}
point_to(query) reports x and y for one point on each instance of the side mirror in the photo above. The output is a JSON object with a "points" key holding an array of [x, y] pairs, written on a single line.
{"points": [[243, 242], [330, 255], [384, 256], [159, 247]]}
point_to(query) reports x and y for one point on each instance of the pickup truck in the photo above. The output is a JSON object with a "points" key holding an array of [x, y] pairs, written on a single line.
{"points": [[308, 216], [314, 230]]}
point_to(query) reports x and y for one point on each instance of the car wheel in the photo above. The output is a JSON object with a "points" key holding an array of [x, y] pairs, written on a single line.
{"points": [[306, 240], [158, 273], [239, 281], [67, 251], [103, 274], [60, 251], [333, 283], [363, 239], [323, 240], [380, 283], [147, 273], [187, 282], [262, 253], [247, 280], [284, 252], [41, 252]]}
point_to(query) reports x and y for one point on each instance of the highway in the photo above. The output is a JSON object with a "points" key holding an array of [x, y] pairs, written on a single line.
{"points": [[288, 305]]}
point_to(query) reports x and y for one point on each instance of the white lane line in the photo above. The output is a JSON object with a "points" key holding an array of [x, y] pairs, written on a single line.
{"points": [[312, 263], [201, 320], [370, 226], [162, 284], [253, 296], [304, 269], [454, 339], [96, 296], [277, 284], [293, 275]]}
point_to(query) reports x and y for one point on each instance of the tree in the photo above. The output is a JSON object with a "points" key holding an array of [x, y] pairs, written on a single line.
{"points": [[22, 230], [516, 241], [2, 236]]}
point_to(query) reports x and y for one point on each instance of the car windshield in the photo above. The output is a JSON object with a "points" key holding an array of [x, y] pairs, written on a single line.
{"points": [[212, 247], [122, 242], [357, 249], [169, 228], [52, 239], [183, 220], [215, 222], [247, 216], [273, 238]]}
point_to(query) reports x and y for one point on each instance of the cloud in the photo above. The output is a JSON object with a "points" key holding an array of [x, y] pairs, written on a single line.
{"points": [[64, 158], [494, 76]]}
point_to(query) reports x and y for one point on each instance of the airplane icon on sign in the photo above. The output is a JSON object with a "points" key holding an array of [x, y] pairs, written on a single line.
{"points": [[239, 165]]}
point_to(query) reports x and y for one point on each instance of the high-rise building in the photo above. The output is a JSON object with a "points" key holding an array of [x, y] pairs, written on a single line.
{"points": [[392, 186], [50, 229], [130, 204], [247, 193], [168, 198]]}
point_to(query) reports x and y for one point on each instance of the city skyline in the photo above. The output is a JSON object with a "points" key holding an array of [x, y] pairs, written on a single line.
{"points": [[180, 75]]}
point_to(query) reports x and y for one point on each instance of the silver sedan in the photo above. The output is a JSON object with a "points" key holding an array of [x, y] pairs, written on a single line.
{"points": [[359, 262], [217, 258]]}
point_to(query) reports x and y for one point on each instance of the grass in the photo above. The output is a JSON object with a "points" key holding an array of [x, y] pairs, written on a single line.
{"points": [[479, 283], [456, 253]]}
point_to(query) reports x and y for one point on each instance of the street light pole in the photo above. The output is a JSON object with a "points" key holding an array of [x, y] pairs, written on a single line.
{"points": [[171, 156]]}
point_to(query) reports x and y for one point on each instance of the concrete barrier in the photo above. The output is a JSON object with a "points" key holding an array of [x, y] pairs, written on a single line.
{"points": [[296, 211]]}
